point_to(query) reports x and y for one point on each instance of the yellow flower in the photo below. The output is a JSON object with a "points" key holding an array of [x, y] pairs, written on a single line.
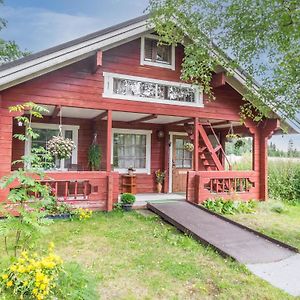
{"points": [[39, 297], [25, 283], [21, 269], [21, 260], [39, 276], [42, 287], [35, 291], [13, 268], [10, 283], [4, 276], [24, 254]]}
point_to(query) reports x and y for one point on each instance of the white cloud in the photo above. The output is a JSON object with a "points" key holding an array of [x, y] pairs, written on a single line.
{"points": [[37, 29]]}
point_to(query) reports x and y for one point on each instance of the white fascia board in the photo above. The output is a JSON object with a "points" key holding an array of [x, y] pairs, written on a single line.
{"points": [[64, 57]]}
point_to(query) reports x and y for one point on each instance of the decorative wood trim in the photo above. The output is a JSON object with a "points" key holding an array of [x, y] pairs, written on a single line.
{"points": [[109, 93], [97, 62]]}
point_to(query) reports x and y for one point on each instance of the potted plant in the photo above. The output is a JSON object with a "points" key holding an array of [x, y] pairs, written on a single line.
{"points": [[94, 157], [160, 177], [127, 200], [130, 170], [189, 147], [232, 136], [60, 147], [56, 210]]}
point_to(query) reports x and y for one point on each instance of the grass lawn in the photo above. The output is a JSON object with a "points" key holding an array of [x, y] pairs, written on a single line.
{"points": [[284, 226], [135, 257]]}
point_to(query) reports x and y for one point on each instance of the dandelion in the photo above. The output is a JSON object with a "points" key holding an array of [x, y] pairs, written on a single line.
{"points": [[9, 284], [4, 276]]}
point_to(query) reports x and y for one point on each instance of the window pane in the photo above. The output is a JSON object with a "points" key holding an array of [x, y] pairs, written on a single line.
{"points": [[149, 48], [129, 151], [157, 53], [163, 54], [68, 161], [41, 141]]}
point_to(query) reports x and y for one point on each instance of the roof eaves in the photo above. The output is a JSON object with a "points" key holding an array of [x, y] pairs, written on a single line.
{"points": [[72, 42]]}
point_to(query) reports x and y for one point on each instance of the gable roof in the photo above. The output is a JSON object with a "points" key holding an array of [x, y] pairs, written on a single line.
{"points": [[67, 53], [54, 58]]}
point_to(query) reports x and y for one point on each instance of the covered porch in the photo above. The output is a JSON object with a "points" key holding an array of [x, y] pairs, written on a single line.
{"points": [[148, 142]]}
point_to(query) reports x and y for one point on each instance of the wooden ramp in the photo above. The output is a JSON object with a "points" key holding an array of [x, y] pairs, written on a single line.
{"points": [[227, 237]]}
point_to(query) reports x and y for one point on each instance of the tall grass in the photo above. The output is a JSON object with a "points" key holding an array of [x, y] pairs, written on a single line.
{"points": [[283, 177], [284, 180]]}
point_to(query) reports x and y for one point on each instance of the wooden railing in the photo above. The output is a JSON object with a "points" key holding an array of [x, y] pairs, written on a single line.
{"points": [[90, 189], [203, 185]]}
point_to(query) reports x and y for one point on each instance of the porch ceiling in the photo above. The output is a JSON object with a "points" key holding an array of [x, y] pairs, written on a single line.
{"points": [[74, 112], [84, 113]]}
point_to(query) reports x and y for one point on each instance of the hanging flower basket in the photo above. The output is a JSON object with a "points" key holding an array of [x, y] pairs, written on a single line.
{"points": [[231, 137], [60, 147], [189, 147]]}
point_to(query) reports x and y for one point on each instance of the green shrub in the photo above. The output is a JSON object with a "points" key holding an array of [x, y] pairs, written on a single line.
{"points": [[284, 181], [229, 207], [127, 198]]}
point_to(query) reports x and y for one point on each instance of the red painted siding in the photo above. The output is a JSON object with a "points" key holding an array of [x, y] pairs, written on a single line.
{"points": [[77, 86]]}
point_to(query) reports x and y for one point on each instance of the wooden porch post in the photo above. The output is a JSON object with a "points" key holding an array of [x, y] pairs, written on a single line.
{"points": [[109, 187], [261, 134], [6, 137], [108, 140], [196, 144], [166, 159]]}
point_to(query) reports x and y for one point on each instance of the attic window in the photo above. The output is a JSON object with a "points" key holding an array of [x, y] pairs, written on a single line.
{"points": [[155, 54]]}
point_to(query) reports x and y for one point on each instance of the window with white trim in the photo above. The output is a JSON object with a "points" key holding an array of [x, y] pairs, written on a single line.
{"points": [[135, 88], [46, 132], [157, 54], [131, 149]]}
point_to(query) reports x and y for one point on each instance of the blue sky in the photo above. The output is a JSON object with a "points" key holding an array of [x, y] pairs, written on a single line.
{"points": [[37, 25]]}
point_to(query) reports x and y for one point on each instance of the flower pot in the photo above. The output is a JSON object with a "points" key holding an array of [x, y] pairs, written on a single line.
{"points": [[126, 207], [159, 187]]}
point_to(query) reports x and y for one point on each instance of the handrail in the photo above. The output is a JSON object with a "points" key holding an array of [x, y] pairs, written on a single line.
{"points": [[203, 185], [222, 150]]}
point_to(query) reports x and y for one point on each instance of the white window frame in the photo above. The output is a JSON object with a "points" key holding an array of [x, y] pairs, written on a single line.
{"points": [[143, 61], [109, 92], [74, 129], [148, 134]]}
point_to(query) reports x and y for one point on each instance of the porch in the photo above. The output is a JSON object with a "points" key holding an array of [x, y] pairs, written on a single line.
{"points": [[148, 142]]}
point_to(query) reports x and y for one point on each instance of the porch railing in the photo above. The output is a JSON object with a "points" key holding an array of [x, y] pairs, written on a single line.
{"points": [[203, 185], [92, 189], [102, 188]]}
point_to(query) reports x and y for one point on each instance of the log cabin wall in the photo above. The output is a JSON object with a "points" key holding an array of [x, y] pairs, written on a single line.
{"points": [[77, 86]]}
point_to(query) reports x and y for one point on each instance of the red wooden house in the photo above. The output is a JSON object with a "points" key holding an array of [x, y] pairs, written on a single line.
{"points": [[118, 86]]}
